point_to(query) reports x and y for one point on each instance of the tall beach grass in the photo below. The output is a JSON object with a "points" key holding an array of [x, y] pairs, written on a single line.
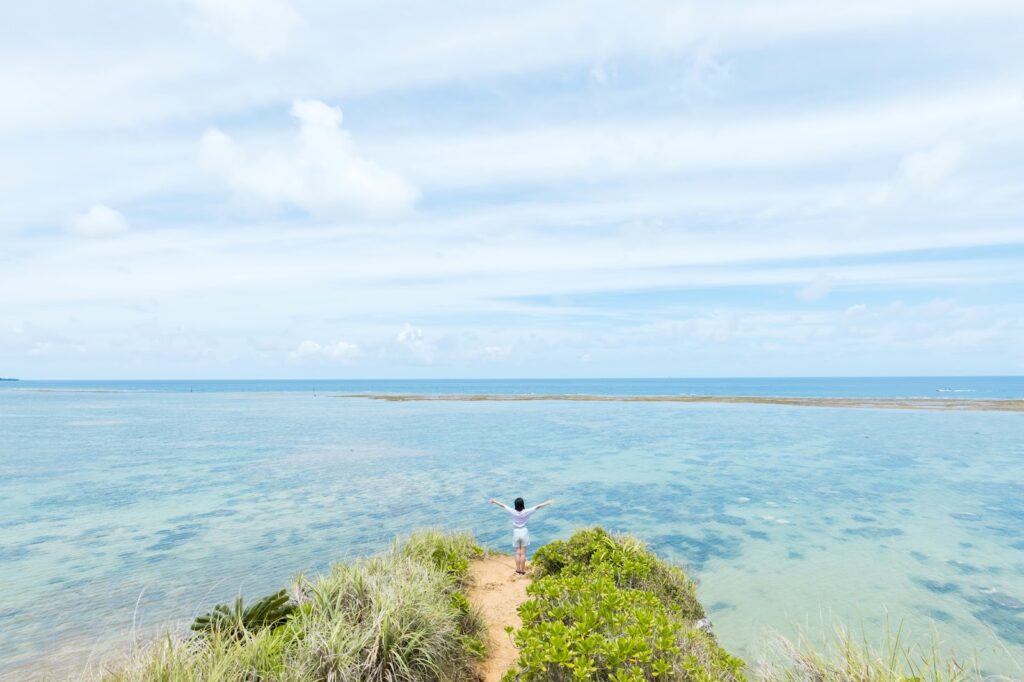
{"points": [[399, 617], [846, 657]]}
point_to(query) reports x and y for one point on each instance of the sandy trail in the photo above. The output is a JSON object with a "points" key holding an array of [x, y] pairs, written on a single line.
{"points": [[497, 591]]}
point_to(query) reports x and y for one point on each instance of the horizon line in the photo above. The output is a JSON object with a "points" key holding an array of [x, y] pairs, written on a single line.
{"points": [[552, 378]]}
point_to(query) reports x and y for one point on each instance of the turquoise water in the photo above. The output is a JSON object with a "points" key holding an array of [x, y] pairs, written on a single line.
{"points": [[145, 503]]}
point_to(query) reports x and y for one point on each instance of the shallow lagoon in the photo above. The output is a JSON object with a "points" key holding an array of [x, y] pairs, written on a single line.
{"points": [[171, 501]]}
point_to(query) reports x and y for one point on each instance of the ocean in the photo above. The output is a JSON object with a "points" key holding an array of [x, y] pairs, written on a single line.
{"points": [[128, 506]]}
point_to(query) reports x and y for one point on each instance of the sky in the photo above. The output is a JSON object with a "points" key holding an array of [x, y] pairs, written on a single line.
{"points": [[321, 189]]}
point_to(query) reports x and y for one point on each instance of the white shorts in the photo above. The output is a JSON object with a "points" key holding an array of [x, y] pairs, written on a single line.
{"points": [[520, 538]]}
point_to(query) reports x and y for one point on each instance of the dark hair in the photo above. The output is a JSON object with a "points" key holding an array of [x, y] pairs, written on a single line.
{"points": [[519, 504]]}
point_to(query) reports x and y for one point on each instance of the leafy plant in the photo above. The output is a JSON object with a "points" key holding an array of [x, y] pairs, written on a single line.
{"points": [[236, 620], [628, 561], [606, 609]]}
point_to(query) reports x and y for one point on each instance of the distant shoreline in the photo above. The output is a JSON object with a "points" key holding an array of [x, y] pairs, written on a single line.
{"points": [[941, 404]]}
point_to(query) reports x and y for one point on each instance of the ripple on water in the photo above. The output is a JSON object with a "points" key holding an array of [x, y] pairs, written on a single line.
{"points": [[1002, 612], [963, 567], [14, 552], [939, 615], [936, 586], [698, 550], [171, 538], [874, 532], [214, 514]]}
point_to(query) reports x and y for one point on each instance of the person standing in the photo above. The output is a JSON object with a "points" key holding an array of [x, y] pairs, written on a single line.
{"points": [[520, 535]]}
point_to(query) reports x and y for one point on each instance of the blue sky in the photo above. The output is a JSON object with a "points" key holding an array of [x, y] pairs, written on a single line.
{"points": [[295, 188]]}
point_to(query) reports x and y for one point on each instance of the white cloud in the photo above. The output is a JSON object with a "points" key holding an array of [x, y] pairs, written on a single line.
{"points": [[705, 71], [340, 350], [413, 340], [922, 174], [498, 352], [99, 220], [817, 289], [259, 27], [839, 133], [320, 170], [933, 166]]}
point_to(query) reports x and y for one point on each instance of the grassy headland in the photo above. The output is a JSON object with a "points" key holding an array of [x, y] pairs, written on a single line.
{"points": [[601, 607]]}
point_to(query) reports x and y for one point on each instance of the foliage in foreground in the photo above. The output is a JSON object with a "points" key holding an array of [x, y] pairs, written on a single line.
{"points": [[846, 659], [605, 608], [235, 621], [601, 608], [399, 617]]}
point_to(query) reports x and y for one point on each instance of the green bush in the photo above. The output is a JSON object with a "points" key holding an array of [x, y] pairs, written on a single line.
{"points": [[628, 561], [605, 608]]}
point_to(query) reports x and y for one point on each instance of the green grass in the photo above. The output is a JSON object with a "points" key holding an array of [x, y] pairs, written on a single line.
{"points": [[845, 658], [399, 617]]}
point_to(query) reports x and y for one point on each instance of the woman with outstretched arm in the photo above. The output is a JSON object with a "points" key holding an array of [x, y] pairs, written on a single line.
{"points": [[520, 536]]}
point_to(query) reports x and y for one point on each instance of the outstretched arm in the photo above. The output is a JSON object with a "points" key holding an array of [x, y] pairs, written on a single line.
{"points": [[548, 503], [500, 504]]}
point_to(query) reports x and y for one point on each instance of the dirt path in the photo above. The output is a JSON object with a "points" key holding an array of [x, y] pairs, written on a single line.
{"points": [[497, 592]]}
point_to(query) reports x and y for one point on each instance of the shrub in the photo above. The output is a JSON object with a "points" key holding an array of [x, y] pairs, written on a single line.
{"points": [[605, 608], [628, 561]]}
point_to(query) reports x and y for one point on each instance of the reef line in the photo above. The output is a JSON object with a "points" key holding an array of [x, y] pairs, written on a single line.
{"points": [[941, 404]]}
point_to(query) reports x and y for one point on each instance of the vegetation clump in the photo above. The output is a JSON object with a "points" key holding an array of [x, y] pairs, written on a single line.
{"points": [[235, 621], [601, 608], [399, 617], [605, 608], [848, 659]]}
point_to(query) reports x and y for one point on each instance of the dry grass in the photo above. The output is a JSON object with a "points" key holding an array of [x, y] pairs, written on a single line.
{"points": [[846, 658], [399, 617]]}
